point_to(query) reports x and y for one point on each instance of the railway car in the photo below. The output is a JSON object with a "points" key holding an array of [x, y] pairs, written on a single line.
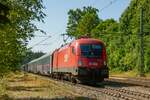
{"points": [[83, 60], [42, 65]]}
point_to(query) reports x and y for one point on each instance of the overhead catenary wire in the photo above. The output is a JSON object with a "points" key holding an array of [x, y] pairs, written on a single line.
{"points": [[45, 44], [40, 42], [94, 1], [108, 5], [41, 36], [103, 8]]}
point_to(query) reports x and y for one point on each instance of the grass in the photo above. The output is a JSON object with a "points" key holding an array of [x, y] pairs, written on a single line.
{"points": [[2, 86], [132, 73], [31, 86], [123, 74], [147, 75], [22, 86]]}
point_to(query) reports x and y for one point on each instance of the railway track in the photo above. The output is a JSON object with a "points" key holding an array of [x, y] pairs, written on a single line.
{"points": [[95, 92], [118, 93], [131, 81], [139, 95]]}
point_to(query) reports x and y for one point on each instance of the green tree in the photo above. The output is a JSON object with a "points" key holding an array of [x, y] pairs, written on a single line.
{"points": [[30, 55], [106, 27], [14, 35], [82, 21], [3, 14], [108, 31], [121, 37], [130, 24], [88, 22]]}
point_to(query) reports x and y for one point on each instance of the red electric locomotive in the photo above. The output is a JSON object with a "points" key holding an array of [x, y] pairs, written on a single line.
{"points": [[83, 60]]}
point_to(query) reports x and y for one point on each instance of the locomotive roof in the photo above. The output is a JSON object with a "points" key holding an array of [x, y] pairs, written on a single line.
{"points": [[81, 40], [87, 40]]}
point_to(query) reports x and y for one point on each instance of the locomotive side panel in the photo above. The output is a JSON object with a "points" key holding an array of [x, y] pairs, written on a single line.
{"points": [[65, 60]]}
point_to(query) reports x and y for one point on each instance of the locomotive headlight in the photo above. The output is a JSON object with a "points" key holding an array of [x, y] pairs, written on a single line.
{"points": [[105, 63], [80, 63]]}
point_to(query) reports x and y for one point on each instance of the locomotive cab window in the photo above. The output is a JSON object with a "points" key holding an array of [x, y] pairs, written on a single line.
{"points": [[91, 50]]}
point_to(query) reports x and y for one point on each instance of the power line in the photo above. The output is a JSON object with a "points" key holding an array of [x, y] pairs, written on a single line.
{"points": [[40, 42], [43, 40], [106, 6], [109, 4], [46, 35], [94, 2], [41, 36], [45, 44]]}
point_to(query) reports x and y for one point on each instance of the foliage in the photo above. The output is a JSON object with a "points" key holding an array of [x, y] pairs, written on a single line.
{"points": [[107, 27], [30, 55], [82, 21], [15, 33], [3, 86], [130, 24], [3, 13], [121, 38], [88, 22]]}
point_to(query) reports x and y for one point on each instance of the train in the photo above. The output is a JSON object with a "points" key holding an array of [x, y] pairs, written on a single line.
{"points": [[83, 60]]}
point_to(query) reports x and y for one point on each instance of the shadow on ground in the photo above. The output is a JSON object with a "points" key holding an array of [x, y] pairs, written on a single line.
{"points": [[6, 97], [20, 79], [26, 88], [117, 84], [111, 84]]}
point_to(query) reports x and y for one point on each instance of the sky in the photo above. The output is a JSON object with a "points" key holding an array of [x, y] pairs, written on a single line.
{"points": [[56, 19]]}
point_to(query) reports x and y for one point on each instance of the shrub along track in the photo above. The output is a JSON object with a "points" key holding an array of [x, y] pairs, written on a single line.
{"points": [[96, 91]]}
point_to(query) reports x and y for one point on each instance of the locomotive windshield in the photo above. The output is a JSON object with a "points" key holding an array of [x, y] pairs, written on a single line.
{"points": [[91, 50]]}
